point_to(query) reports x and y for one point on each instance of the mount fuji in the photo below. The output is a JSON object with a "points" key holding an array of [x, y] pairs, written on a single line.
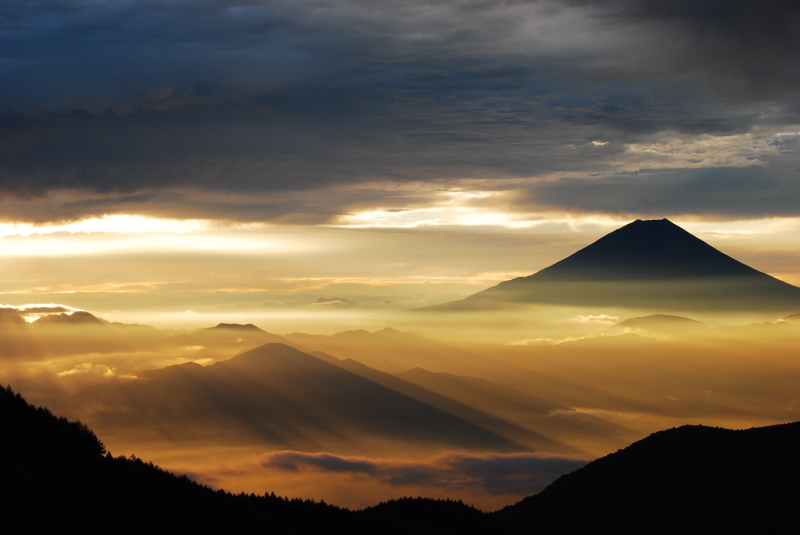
{"points": [[645, 264]]}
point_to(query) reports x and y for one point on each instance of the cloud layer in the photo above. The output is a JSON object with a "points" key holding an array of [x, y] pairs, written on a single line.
{"points": [[302, 111], [491, 473]]}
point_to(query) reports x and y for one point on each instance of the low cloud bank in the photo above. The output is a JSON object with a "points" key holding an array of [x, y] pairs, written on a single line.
{"points": [[523, 473]]}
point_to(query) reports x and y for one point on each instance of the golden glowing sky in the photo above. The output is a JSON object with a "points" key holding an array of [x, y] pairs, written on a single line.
{"points": [[267, 157], [187, 273]]}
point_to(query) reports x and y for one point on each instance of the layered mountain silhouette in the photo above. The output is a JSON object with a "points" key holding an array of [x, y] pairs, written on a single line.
{"points": [[645, 264], [281, 398], [691, 479], [386, 350], [276, 395], [223, 341], [657, 326], [459, 400], [225, 334], [66, 333], [57, 476]]}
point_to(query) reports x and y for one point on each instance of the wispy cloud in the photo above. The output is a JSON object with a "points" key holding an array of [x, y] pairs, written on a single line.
{"points": [[596, 318]]}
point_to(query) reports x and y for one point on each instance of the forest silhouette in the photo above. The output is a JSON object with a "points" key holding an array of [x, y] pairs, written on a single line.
{"points": [[57, 474], [691, 479]]}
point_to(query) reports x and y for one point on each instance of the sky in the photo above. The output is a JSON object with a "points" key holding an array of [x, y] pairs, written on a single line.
{"points": [[170, 162]]}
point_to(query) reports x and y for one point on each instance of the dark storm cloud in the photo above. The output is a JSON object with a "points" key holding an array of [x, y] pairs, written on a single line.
{"points": [[752, 46], [495, 474], [165, 107], [746, 24], [750, 192]]}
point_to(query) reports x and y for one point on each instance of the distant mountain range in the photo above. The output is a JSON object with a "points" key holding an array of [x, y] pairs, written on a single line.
{"points": [[277, 395], [645, 264], [290, 397], [657, 326], [356, 392], [69, 332]]}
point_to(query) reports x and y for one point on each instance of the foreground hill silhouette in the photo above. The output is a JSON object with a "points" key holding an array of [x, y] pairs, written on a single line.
{"points": [[691, 479], [645, 264], [56, 476]]}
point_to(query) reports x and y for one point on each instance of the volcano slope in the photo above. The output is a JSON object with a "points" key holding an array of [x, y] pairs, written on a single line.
{"points": [[651, 264]]}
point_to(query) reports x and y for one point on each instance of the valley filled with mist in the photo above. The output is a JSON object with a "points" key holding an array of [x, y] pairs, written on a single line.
{"points": [[487, 399], [358, 417]]}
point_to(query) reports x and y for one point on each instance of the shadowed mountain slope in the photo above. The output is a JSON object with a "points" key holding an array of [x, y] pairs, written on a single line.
{"points": [[691, 479], [517, 415], [57, 476], [645, 264], [478, 392], [391, 351], [376, 350], [793, 318], [464, 408], [274, 395]]}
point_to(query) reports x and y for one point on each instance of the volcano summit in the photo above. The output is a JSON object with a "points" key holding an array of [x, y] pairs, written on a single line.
{"points": [[645, 264]]}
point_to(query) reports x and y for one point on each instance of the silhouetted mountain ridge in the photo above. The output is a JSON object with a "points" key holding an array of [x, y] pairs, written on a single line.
{"points": [[75, 318], [64, 333], [646, 250], [691, 479], [646, 264], [56, 477], [238, 327]]}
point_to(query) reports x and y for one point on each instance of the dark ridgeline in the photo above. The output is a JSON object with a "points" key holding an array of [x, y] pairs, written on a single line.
{"points": [[691, 479], [238, 327], [56, 476], [645, 264]]}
